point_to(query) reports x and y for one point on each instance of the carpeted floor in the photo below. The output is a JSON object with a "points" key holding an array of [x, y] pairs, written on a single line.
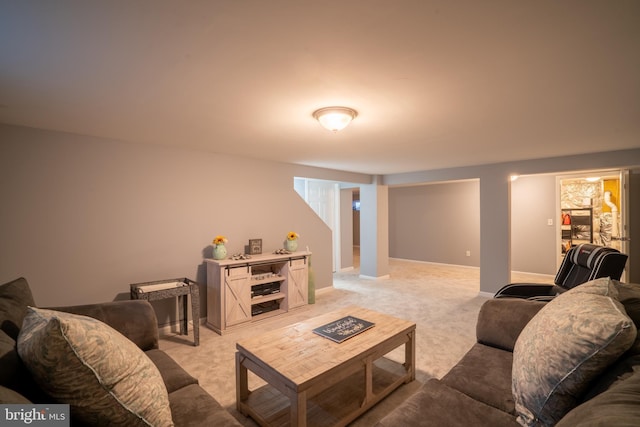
{"points": [[442, 300]]}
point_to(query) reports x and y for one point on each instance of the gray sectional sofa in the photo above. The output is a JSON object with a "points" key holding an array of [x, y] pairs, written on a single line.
{"points": [[574, 361], [185, 402]]}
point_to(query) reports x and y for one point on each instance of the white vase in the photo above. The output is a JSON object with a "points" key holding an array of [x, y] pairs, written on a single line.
{"points": [[219, 252], [291, 245]]}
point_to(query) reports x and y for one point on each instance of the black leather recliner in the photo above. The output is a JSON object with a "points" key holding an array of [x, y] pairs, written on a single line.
{"points": [[581, 264]]}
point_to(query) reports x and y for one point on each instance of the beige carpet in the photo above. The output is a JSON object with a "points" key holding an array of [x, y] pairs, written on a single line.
{"points": [[442, 300]]}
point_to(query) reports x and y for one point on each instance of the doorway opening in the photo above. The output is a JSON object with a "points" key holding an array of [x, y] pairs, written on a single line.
{"points": [[324, 198], [593, 209]]}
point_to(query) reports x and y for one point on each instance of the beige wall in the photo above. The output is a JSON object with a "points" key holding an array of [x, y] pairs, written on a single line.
{"points": [[436, 223], [533, 241], [495, 200], [83, 217]]}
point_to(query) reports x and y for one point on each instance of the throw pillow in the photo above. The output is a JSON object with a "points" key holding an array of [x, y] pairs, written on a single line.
{"points": [[104, 377], [565, 346], [603, 286]]}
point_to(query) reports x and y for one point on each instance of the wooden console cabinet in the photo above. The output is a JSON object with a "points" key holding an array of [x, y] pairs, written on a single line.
{"points": [[243, 291]]}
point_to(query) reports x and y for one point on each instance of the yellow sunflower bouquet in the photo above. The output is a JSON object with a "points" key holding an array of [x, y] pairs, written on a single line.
{"points": [[219, 240]]}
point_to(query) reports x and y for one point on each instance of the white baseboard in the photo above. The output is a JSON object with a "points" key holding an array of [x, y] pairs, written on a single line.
{"points": [[541, 275], [386, 276], [323, 290], [436, 263]]}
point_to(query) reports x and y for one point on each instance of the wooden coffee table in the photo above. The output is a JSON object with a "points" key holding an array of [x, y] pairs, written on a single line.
{"points": [[314, 380]]}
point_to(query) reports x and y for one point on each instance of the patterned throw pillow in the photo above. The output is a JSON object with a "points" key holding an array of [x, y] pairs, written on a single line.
{"points": [[81, 361], [603, 286], [565, 346]]}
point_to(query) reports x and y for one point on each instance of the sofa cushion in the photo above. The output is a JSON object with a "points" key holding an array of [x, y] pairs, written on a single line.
{"points": [[13, 373], [564, 347], [15, 297], [437, 404], [629, 296], [484, 374], [617, 406], [135, 319], [81, 361], [173, 375], [8, 396], [11, 367], [624, 368], [192, 406], [501, 321]]}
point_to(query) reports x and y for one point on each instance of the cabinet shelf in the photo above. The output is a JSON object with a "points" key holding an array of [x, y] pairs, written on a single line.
{"points": [[264, 298], [577, 227], [272, 279], [268, 314]]}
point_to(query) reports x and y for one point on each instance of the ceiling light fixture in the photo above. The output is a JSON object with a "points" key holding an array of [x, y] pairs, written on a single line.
{"points": [[335, 118]]}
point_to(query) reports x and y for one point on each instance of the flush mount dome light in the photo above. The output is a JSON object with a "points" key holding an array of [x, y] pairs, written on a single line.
{"points": [[335, 118]]}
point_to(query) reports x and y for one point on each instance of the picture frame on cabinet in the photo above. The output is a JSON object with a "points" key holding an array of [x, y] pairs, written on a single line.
{"points": [[255, 246]]}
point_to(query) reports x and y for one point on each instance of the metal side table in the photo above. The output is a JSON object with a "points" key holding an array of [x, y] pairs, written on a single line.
{"points": [[170, 288]]}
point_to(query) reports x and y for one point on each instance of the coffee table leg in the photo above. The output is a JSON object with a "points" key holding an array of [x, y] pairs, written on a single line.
{"points": [[299, 409], [242, 383], [368, 381], [410, 356]]}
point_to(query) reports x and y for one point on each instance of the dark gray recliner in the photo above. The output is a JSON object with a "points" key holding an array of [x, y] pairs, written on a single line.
{"points": [[581, 264]]}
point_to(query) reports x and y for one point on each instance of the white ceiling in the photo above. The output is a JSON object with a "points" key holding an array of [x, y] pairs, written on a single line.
{"points": [[437, 84]]}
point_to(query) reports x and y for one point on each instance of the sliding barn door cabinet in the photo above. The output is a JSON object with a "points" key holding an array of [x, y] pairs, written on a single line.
{"points": [[240, 292]]}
